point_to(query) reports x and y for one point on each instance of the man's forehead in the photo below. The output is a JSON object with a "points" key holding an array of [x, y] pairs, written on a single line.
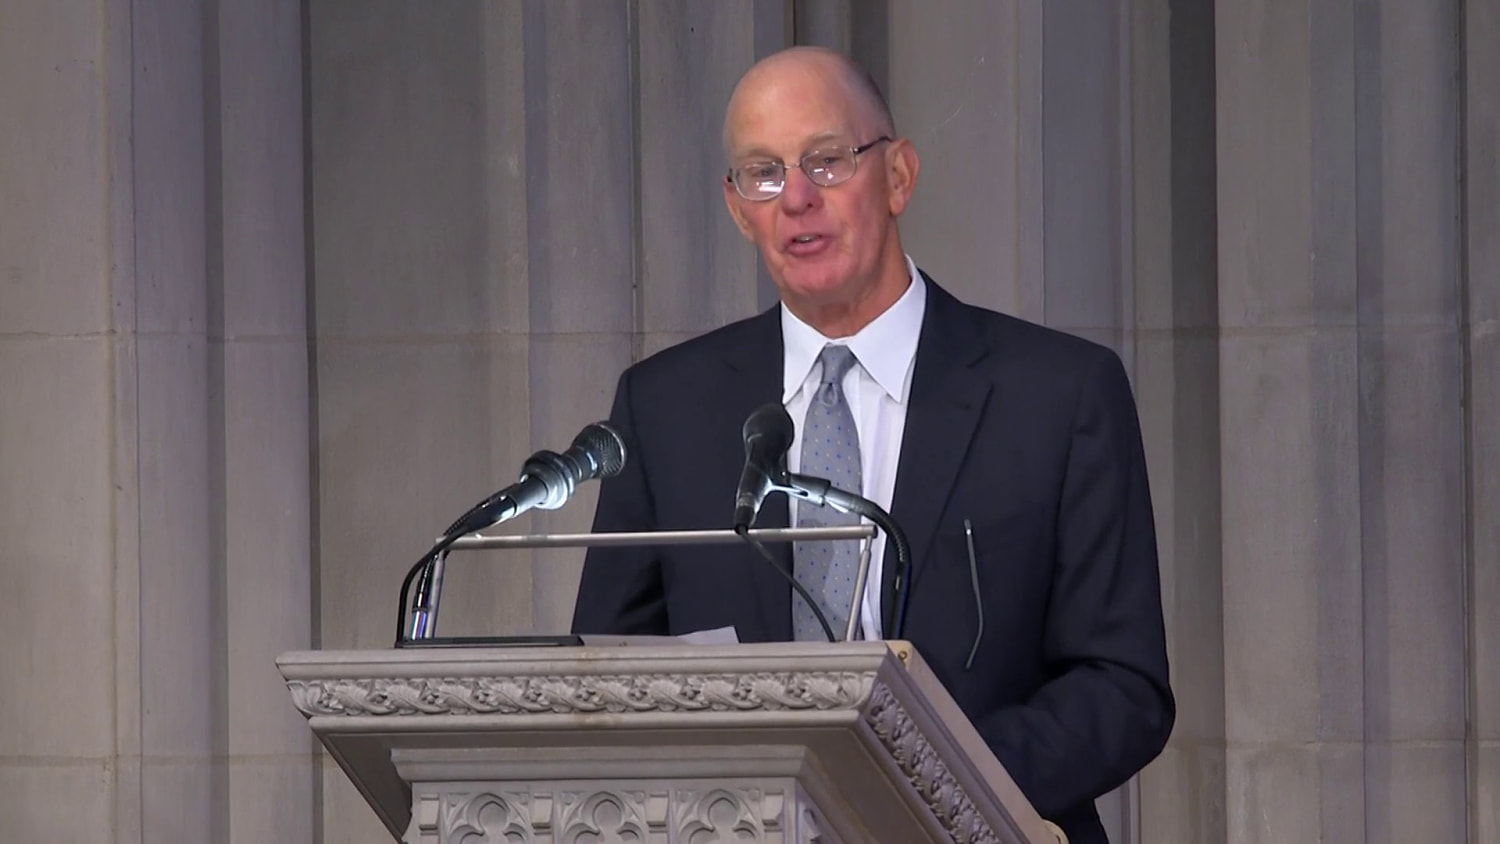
{"points": [[789, 127], [787, 106]]}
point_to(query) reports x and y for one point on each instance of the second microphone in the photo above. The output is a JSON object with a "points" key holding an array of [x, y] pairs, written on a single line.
{"points": [[768, 434]]}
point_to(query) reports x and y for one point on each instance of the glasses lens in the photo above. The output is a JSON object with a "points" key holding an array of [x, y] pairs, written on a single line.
{"points": [[829, 166], [759, 181]]}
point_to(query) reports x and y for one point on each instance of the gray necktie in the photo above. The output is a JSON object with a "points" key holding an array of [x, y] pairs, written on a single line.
{"points": [[830, 449]]}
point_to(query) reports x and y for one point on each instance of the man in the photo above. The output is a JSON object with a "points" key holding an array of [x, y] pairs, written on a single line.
{"points": [[975, 430]]}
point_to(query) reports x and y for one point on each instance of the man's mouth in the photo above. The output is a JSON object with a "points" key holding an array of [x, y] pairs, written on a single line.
{"points": [[806, 245]]}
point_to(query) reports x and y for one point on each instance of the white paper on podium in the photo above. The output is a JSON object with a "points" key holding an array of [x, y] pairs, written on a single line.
{"points": [[717, 636]]}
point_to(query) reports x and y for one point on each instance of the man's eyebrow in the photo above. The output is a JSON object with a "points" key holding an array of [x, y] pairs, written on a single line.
{"points": [[821, 138], [758, 153], [755, 153]]}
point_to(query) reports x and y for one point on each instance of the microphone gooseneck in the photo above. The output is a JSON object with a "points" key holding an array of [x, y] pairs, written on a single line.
{"points": [[548, 480], [821, 492]]}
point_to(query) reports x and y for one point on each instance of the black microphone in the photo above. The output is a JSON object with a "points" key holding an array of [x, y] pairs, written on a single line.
{"points": [[768, 434], [549, 479]]}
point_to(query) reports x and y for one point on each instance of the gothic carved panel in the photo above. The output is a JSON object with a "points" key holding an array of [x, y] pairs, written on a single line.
{"points": [[659, 814], [486, 819], [725, 816], [603, 817]]}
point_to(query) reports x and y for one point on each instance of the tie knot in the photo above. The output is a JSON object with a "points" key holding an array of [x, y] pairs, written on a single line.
{"points": [[836, 362]]}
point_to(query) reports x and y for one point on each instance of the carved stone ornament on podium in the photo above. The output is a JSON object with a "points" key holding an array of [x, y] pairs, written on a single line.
{"points": [[793, 742], [645, 813]]}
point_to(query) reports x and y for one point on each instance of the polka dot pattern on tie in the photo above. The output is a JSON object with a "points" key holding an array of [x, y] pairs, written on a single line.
{"points": [[830, 449]]}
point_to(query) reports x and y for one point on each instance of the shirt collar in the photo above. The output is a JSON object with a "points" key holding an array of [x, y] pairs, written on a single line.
{"points": [[885, 347]]}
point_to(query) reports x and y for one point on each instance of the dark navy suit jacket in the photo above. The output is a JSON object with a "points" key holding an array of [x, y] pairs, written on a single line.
{"points": [[1029, 434]]}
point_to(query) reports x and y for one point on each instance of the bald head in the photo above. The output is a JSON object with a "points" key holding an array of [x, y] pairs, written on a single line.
{"points": [[825, 226], [783, 74]]}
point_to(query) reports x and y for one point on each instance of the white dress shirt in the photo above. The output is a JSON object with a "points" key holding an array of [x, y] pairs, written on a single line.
{"points": [[877, 390]]}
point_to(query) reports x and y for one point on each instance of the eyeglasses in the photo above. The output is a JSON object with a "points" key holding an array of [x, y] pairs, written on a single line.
{"points": [[759, 181]]}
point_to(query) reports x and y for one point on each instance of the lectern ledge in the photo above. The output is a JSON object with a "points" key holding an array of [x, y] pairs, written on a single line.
{"points": [[787, 742]]}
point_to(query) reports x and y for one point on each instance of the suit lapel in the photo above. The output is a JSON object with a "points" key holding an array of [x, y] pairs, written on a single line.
{"points": [[947, 399], [755, 361]]}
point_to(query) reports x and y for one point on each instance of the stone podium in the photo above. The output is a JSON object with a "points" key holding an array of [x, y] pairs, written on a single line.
{"points": [[786, 742]]}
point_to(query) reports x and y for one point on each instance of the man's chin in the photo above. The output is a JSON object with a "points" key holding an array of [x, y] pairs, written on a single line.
{"points": [[823, 286], [820, 298]]}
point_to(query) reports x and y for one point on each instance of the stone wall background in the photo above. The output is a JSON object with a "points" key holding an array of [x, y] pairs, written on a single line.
{"points": [[285, 286]]}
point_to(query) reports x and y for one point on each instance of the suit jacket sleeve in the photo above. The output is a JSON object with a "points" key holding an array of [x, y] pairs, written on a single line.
{"points": [[621, 590], [1106, 709]]}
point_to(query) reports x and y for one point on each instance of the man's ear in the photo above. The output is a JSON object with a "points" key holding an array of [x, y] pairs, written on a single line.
{"points": [[903, 166], [732, 202]]}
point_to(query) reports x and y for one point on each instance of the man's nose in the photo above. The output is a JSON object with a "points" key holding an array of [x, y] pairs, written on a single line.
{"points": [[798, 193]]}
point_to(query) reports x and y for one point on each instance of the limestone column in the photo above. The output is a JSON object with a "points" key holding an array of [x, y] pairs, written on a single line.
{"points": [[66, 565], [697, 271], [1028, 203], [420, 348], [1020, 112], [511, 202], [860, 28], [1342, 415], [1481, 339], [1176, 378], [155, 477], [260, 416], [583, 199], [168, 504], [966, 86]]}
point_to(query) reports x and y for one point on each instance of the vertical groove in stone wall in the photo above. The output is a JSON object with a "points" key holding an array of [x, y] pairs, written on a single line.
{"points": [[1479, 80]]}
